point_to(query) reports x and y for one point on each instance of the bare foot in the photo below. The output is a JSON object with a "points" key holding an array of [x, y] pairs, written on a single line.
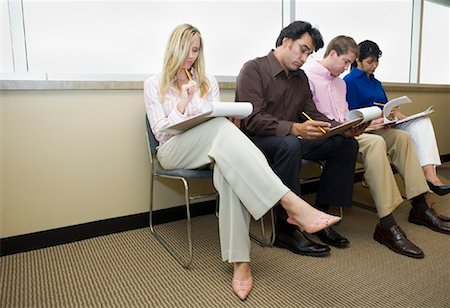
{"points": [[241, 270], [303, 215], [436, 181], [430, 175]]}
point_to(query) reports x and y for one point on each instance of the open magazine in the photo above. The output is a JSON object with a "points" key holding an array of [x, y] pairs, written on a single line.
{"points": [[354, 118], [400, 101], [211, 110]]}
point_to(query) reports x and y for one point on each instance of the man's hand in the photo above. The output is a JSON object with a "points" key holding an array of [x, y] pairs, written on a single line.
{"points": [[378, 124], [356, 130], [310, 129], [236, 121]]}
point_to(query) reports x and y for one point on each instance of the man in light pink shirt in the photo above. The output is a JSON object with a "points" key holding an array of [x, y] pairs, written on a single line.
{"points": [[377, 150]]}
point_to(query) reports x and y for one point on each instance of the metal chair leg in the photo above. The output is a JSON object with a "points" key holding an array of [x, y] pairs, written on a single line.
{"points": [[264, 240], [184, 262]]}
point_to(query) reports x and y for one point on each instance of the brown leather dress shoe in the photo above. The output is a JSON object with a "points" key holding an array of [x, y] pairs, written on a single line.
{"points": [[430, 219], [395, 239]]}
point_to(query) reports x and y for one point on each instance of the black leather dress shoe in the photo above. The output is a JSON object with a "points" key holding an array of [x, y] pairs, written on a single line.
{"points": [[441, 190], [299, 243], [395, 239], [430, 219], [331, 237]]}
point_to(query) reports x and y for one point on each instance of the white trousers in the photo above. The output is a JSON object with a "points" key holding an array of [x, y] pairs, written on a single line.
{"points": [[242, 176], [422, 134]]}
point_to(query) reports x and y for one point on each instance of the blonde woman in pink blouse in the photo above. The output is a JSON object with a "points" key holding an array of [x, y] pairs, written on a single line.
{"points": [[246, 184]]}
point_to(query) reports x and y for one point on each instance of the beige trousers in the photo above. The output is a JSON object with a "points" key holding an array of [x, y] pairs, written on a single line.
{"points": [[378, 173], [242, 176]]}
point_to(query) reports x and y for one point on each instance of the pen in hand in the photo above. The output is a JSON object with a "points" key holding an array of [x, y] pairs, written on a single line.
{"points": [[309, 118], [188, 74]]}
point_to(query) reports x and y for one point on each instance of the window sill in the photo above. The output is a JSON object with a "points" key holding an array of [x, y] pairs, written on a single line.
{"points": [[225, 83]]}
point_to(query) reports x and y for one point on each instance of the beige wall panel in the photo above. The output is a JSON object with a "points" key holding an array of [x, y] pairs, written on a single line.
{"points": [[70, 157], [74, 156], [441, 117]]}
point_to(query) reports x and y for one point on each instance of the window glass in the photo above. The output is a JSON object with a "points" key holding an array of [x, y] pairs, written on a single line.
{"points": [[435, 65], [6, 59], [129, 37], [388, 23]]}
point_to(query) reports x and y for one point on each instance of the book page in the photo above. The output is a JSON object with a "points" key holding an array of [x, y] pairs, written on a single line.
{"points": [[392, 104], [365, 114], [355, 117], [184, 125], [209, 111], [339, 129], [416, 115]]}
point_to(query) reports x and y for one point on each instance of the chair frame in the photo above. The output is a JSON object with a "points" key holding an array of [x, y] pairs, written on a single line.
{"points": [[266, 240], [158, 171]]}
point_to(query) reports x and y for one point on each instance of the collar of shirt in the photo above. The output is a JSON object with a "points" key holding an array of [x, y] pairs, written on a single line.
{"points": [[329, 92], [276, 67], [357, 73], [318, 68]]}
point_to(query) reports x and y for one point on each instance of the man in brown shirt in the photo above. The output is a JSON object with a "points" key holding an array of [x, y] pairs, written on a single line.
{"points": [[280, 94]]}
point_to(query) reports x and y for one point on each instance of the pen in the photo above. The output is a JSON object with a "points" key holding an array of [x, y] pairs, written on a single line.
{"points": [[309, 118], [378, 104], [188, 74]]}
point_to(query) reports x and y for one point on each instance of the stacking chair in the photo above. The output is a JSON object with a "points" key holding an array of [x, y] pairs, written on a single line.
{"points": [[183, 175]]}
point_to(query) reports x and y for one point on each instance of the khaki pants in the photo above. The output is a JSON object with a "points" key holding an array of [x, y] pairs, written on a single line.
{"points": [[245, 182], [377, 170]]}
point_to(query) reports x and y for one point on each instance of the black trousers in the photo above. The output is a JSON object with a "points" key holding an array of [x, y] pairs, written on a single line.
{"points": [[285, 154]]}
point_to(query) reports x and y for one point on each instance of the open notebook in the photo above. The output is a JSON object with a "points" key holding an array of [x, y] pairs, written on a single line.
{"points": [[211, 110], [400, 101], [355, 117]]}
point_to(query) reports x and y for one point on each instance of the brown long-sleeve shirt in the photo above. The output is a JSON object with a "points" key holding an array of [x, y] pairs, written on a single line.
{"points": [[278, 99]]}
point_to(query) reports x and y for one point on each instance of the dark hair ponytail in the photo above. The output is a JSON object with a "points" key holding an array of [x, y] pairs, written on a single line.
{"points": [[367, 49]]}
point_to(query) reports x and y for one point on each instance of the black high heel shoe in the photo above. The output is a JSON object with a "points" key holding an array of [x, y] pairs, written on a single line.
{"points": [[441, 190]]}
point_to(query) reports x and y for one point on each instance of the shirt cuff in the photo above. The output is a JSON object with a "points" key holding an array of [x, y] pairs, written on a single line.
{"points": [[284, 128]]}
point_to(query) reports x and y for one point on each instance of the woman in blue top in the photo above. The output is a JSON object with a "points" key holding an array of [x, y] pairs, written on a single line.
{"points": [[363, 89]]}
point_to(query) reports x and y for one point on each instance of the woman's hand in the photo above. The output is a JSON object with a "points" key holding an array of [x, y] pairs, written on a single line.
{"points": [[187, 93], [396, 114]]}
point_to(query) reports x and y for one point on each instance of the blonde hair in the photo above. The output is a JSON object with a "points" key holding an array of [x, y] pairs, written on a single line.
{"points": [[177, 50]]}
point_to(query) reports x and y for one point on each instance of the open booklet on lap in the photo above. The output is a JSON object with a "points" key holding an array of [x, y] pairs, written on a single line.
{"points": [[209, 111], [354, 118], [400, 101]]}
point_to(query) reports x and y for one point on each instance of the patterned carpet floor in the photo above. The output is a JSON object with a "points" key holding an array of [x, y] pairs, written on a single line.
{"points": [[130, 269]]}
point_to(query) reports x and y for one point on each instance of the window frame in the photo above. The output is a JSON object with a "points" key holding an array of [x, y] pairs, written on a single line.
{"points": [[20, 57]]}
